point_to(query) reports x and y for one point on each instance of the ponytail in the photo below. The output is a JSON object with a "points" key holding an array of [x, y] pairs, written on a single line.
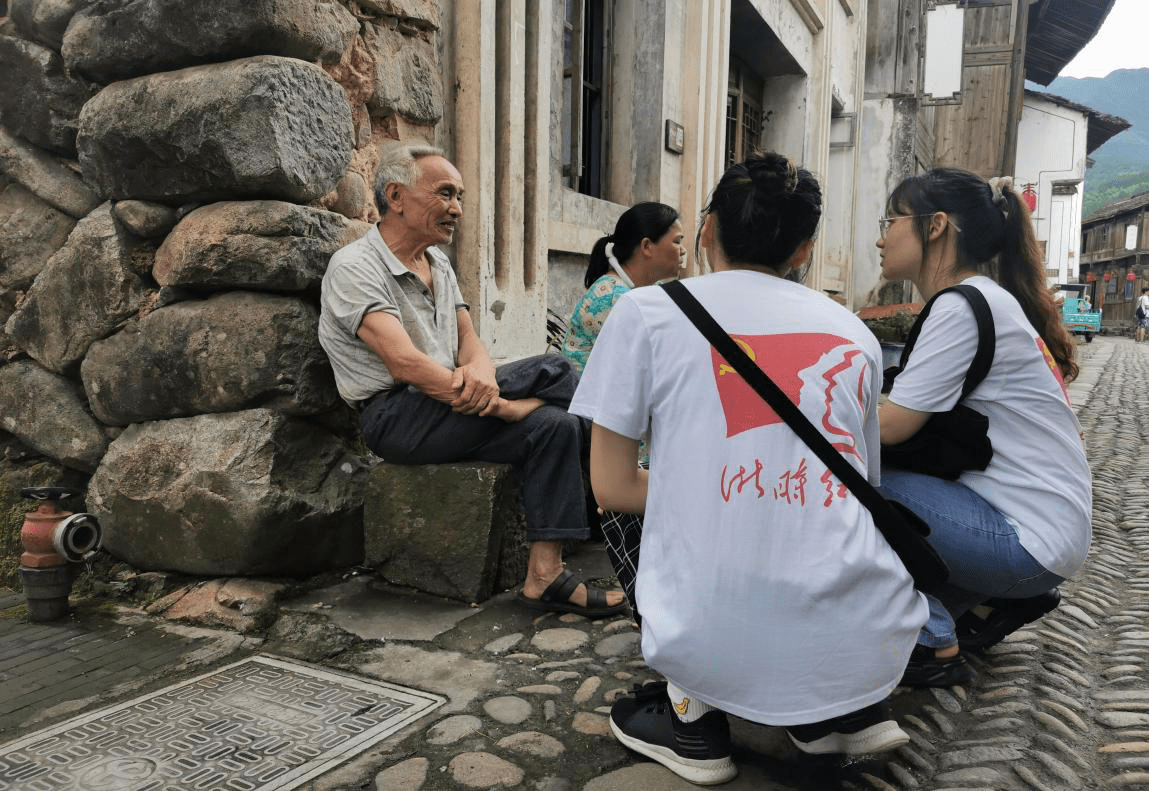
{"points": [[1022, 274], [598, 265]]}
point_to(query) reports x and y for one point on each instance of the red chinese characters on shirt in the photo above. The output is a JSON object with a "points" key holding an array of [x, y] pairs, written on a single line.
{"points": [[790, 486]]}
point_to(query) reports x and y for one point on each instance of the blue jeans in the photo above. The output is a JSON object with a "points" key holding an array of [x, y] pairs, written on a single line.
{"points": [[978, 542]]}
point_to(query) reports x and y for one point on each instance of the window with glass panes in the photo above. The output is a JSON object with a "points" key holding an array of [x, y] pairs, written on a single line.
{"points": [[743, 112], [585, 62]]}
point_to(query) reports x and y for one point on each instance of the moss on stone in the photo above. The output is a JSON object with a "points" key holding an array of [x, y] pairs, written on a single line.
{"points": [[892, 329]]}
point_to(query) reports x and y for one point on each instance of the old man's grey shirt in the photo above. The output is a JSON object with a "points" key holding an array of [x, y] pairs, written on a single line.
{"points": [[364, 277]]}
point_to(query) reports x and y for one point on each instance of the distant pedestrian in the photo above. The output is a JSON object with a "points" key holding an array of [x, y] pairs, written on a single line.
{"points": [[1142, 315]]}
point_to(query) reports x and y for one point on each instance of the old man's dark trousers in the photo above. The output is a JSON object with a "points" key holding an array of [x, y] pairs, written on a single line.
{"points": [[404, 426]]}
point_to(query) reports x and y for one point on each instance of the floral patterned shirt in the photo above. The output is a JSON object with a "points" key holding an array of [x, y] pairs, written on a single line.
{"points": [[588, 317]]}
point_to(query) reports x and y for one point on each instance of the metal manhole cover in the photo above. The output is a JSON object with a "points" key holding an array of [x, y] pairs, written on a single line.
{"points": [[257, 725]]}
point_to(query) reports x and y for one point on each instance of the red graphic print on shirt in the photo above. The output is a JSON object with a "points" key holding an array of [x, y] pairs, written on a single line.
{"points": [[805, 366], [1052, 363]]}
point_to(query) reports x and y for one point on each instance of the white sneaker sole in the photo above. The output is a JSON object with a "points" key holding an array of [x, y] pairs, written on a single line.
{"points": [[700, 772], [875, 739]]}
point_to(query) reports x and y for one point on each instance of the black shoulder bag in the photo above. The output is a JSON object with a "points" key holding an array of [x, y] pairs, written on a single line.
{"points": [[957, 440], [904, 530]]}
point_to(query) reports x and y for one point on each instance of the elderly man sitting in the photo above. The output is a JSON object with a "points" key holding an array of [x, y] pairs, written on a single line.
{"points": [[405, 353]]}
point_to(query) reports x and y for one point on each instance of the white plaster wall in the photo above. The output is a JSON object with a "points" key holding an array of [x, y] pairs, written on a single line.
{"points": [[678, 78], [1051, 148], [840, 183], [1057, 246], [877, 133]]}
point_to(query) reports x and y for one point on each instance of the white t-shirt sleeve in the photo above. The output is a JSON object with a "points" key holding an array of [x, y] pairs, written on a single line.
{"points": [[615, 388], [871, 428], [933, 378]]}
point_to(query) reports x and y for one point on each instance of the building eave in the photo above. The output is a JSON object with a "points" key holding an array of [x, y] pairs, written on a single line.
{"points": [[1117, 209], [1058, 30]]}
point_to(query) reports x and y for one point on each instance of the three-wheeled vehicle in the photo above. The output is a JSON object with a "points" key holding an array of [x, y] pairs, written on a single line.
{"points": [[1076, 312]]}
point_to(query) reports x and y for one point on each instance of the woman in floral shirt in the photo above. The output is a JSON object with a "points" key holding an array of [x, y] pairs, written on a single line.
{"points": [[646, 247]]}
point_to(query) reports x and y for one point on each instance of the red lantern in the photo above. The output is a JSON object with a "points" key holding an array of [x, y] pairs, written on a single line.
{"points": [[1108, 275], [1131, 276], [1029, 195], [1090, 278]]}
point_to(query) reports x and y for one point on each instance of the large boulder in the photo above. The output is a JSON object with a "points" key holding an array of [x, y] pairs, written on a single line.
{"points": [[406, 75], [46, 176], [266, 245], [117, 39], [45, 411], [31, 231], [41, 100], [245, 493], [258, 127], [87, 290], [234, 351], [44, 20]]}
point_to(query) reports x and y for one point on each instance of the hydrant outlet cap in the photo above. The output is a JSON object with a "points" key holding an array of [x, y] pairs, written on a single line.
{"points": [[77, 537]]}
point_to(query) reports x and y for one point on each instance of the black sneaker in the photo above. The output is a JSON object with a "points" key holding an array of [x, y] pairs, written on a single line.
{"points": [[975, 633], [926, 670], [697, 751], [868, 730]]}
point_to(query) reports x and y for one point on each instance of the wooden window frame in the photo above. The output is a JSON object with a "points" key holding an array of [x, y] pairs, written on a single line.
{"points": [[587, 75]]}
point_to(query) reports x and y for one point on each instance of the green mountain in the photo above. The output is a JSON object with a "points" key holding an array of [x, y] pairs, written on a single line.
{"points": [[1121, 168]]}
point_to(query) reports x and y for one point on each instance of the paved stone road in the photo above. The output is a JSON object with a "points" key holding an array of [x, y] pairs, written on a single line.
{"points": [[1062, 704]]}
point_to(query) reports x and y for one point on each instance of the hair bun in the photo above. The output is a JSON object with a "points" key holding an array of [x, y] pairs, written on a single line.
{"points": [[774, 173]]}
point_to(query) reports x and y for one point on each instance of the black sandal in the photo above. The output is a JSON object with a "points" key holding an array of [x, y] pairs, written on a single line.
{"points": [[556, 598], [926, 669], [1009, 615]]}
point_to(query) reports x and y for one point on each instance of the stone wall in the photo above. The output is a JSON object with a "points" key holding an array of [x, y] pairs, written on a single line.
{"points": [[173, 179]]}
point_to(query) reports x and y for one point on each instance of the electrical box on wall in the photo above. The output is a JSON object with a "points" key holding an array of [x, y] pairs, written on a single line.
{"points": [[675, 137]]}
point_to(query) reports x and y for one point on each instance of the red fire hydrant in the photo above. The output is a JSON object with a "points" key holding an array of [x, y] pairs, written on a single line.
{"points": [[54, 542]]}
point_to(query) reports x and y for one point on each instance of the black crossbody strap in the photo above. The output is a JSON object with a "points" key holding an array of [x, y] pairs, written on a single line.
{"points": [[986, 335], [778, 401]]}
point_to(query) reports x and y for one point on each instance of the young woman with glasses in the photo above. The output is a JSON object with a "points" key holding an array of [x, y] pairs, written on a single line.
{"points": [[1013, 531]]}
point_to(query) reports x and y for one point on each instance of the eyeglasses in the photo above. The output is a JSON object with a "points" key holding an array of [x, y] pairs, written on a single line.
{"points": [[884, 223]]}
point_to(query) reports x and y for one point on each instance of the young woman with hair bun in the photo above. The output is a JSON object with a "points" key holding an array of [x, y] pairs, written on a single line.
{"points": [[1010, 532], [765, 589]]}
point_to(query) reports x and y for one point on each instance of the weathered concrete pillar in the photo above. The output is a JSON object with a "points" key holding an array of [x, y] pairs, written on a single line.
{"points": [[501, 56]]}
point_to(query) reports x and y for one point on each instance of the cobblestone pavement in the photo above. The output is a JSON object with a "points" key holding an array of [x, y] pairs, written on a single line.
{"points": [[1062, 704]]}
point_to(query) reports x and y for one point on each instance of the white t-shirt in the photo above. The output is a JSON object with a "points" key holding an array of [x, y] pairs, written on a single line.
{"points": [[1039, 476], [764, 587]]}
